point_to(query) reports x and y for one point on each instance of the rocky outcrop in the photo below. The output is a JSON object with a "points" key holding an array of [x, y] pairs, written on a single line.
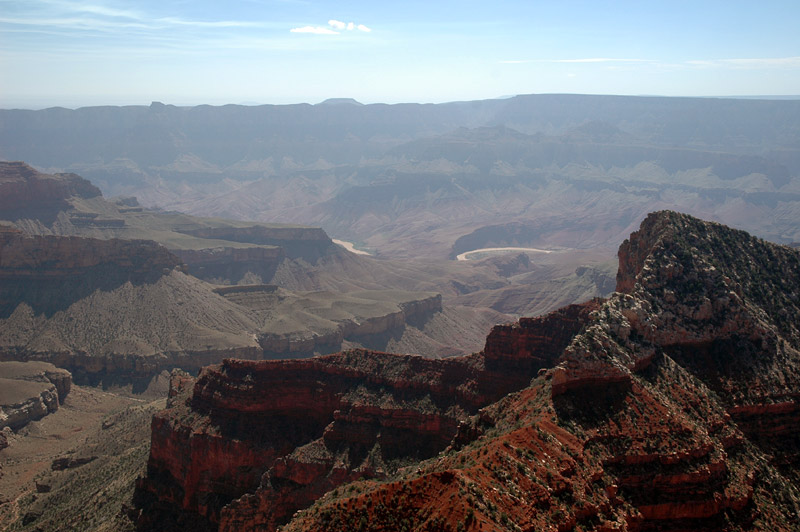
{"points": [[257, 441], [542, 339], [30, 391], [60, 464], [50, 272], [25, 193], [703, 302], [673, 408], [409, 311], [229, 263]]}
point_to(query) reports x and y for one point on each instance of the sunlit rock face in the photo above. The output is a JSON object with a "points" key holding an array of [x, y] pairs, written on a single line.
{"points": [[673, 405]]}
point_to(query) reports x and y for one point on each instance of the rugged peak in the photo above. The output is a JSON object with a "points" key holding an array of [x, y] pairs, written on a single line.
{"points": [[634, 250], [673, 405], [675, 261]]}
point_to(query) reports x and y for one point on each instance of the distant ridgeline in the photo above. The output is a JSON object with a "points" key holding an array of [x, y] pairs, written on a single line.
{"points": [[137, 138], [573, 171]]}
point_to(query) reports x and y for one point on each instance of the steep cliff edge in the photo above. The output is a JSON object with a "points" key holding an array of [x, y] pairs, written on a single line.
{"points": [[232, 264], [26, 193], [256, 441], [217, 250], [673, 408], [30, 391], [49, 273]]}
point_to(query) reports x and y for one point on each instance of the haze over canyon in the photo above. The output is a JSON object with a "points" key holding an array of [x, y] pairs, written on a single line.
{"points": [[543, 312]]}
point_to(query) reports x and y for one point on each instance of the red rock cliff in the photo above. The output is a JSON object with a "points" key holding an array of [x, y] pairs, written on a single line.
{"points": [[311, 425], [675, 408], [671, 406]]}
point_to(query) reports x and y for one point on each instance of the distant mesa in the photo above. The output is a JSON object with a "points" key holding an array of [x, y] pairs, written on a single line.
{"points": [[340, 101]]}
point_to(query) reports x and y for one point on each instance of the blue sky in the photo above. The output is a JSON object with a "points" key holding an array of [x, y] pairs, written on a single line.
{"points": [[92, 52]]}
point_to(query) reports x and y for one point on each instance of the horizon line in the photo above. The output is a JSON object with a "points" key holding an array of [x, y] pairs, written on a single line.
{"points": [[17, 104]]}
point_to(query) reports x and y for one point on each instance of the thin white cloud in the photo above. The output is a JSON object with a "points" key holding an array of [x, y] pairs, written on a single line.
{"points": [[73, 23], [102, 10], [700, 63], [317, 30], [335, 27]]}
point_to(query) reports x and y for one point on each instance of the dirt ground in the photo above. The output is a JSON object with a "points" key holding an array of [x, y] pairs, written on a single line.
{"points": [[68, 432]]}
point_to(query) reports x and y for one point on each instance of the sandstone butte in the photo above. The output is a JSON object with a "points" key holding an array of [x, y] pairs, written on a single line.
{"points": [[672, 405]]}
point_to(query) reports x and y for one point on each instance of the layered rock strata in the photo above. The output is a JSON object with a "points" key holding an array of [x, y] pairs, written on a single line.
{"points": [[670, 406], [277, 435], [30, 391], [673, 409], [49, 272], [24, 192], [232, 263], [300, 324], [121, 310]]}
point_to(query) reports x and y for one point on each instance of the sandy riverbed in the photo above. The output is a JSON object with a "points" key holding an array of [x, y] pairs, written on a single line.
{"points": [[466, 254], [349, 247]]}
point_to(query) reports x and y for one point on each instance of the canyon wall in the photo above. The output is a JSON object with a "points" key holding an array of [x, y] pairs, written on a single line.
{"points": [[670, 406], [120, 310], [49, 273], [229, 263], [299, 428]]}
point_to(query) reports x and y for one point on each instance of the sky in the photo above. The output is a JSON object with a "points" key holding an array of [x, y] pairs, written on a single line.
{"points": [[75, 53]]}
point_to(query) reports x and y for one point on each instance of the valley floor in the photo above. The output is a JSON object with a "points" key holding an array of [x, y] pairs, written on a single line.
{"points": [[76, 467]]}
